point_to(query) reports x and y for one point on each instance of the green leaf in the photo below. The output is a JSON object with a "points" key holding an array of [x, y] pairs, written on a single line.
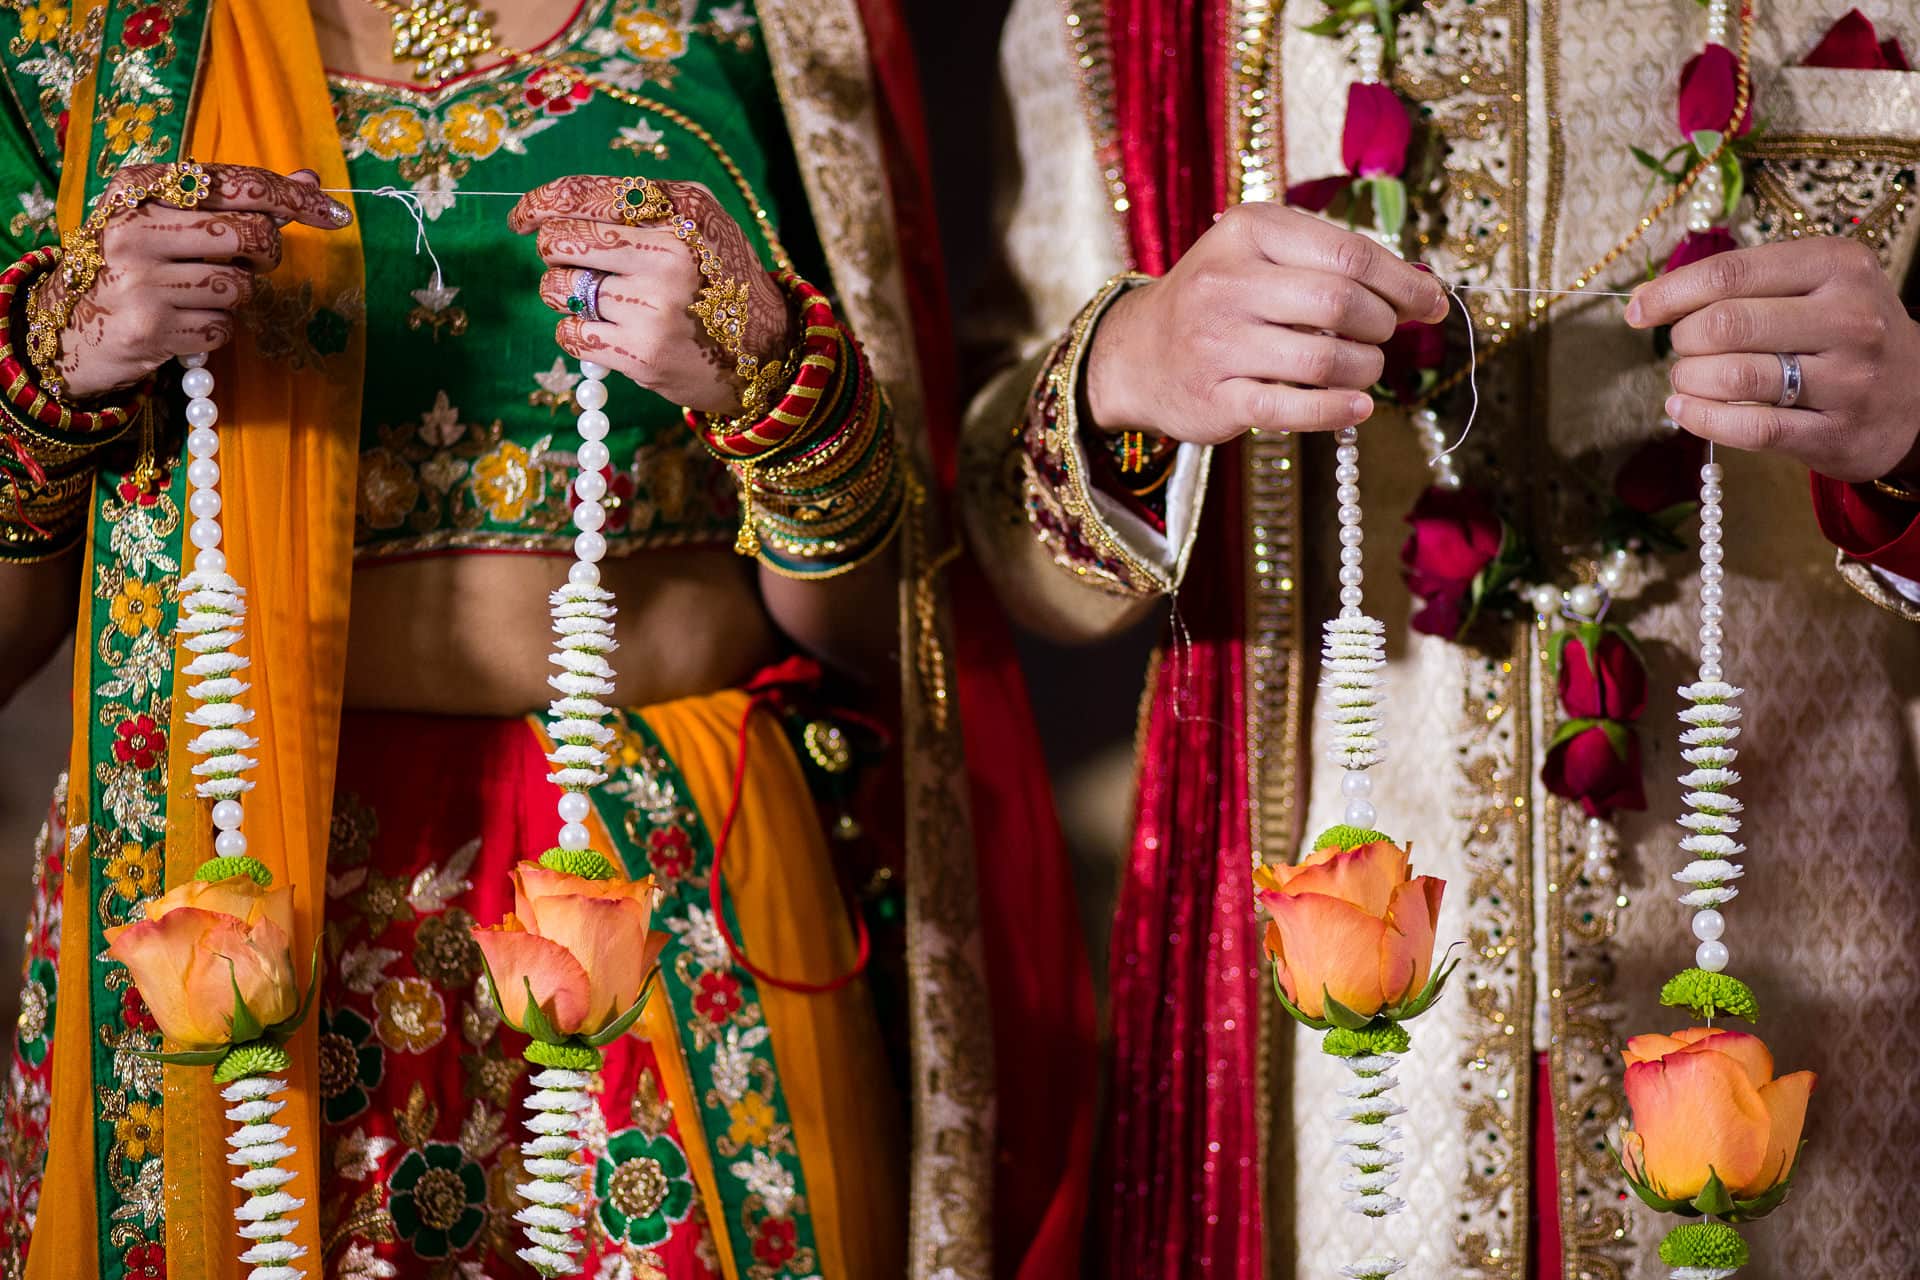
{"points": [[281, 1032], [185, 1058], [618, 1027], [1571, 730], [537, 1024], [1646, 158], [1341, 1016], [1617, 736], [1389, 205], [1762, 1205], [1734, 178], [1328, 26], [1436, 983], [1714, 1199], [1707, 141], [244, 1024], [1293, 1010], [1557, 650]]}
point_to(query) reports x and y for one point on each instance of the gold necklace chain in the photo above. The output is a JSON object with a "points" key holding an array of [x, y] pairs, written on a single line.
{"points": [[1542, 302], [446, 12]]}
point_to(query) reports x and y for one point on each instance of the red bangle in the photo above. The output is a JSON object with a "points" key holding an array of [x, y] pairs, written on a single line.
{"points": [[22, 389], [819, 347]]}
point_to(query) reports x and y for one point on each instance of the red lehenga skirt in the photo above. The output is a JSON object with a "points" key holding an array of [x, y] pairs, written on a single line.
{"points": [[746, 1130]]}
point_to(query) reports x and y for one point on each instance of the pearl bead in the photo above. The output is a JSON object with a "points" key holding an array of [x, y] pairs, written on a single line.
{"points": [[1711, 653], [204, 503], [591, 371], [589, 517], [230, 844], [197, 383], [1350, 535], [1347, 474], [591, 394], [592, 425], [1712, 513], [1585, 600], [1351, 555], [1711, 533], [1708, 925], [594, 456], [1611, 576], [584, 575], [1712, 593], [1546, 599], [1711, 673], [227, 814], [1356, 784], [574, 836], [1351, 575], [203, 443], [1347, 493], [203, 473], [198, 360], [573, 806], [1712, 612], [1346, 454], [1711, 574], [590, 486], [1712, 956], [1712, 473], [1351, 597], [1350, 515], [590, 547], [1710, 495], [202, 413], [1360, 813], [1711, 634], [210, 560], [204, 534], [1712, 553]]}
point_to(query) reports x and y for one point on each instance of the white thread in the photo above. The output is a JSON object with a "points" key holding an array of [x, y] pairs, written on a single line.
{"points": [[1473, 372], [410, 201]]}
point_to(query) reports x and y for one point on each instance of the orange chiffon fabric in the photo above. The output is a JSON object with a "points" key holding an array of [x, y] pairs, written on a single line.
{"points": [[847, 1117], [287, 459]]}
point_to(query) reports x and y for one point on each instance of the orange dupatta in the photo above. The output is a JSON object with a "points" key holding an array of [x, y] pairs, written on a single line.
{"points": [[288, 457]]}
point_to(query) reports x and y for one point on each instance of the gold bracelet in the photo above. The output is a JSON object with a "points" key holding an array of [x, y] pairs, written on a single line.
{"points": [[1894, 487]]}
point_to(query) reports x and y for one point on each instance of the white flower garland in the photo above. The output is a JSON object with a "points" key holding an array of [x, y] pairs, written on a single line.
{"points": [[555, 1209]]}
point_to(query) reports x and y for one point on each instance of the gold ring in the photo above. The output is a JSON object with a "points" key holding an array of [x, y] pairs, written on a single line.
{"points": [[642, 201]]}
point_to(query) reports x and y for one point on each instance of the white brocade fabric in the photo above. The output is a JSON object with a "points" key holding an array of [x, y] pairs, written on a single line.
{"points": [[1827, 927]]}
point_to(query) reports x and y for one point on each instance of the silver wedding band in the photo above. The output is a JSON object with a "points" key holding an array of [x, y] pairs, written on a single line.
{"points": [[1790, 383], [584, 299]]}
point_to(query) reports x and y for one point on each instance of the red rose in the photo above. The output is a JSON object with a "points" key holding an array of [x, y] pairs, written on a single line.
{"points": [[146, 1262], [1374, 141], [147, 28], [1709, 86], [1318, 194], [1661, 474], [1612, 688], [1415, 346], [138, 741], [775, 1242], [1701, 244], [1853, 45], [1455, 536], [1588, 768], [716, 996], [670, 850]]}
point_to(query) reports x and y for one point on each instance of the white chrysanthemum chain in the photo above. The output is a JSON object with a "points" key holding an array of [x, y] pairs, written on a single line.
{"points": [[212, 623], [1712, 717], [554, 1212]]}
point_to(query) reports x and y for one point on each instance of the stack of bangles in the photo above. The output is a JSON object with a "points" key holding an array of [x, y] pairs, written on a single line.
{"points": [[49, 451], [820, 491]]}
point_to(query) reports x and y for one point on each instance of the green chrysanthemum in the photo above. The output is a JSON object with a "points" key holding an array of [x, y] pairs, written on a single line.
{"points": [[1344, 837], [438, 1200], [1341, 1043], [252, 1059], [567, 1057], [1707, 1245], [643, 1187], [1710, 995], [584, 863], [216, 869]]}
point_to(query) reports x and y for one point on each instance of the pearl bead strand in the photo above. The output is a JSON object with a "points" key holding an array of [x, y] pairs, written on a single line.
{"points": [[1712, 718], [1354, 652]]}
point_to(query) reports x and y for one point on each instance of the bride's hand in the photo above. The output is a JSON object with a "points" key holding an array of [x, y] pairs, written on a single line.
{"points": [[173, 277], [649, 278]]}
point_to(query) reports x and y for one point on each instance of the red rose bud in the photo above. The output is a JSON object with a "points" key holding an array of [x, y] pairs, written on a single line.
{"points": [[1374, 141], [1613, 687], [1709, 86], [1701, 244], [1455, 535], [1317, 195], [1661, 474], [1586, 768], [1852, 44], [1414, 347]]}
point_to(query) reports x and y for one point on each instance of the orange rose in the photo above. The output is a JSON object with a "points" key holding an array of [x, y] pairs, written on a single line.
{"points": [[1352, 925], [1705, 1103], [582, 946], [201, 942]]}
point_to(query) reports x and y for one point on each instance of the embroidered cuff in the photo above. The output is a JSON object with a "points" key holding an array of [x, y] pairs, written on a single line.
{"points": [[1879, 542], [1088, 530]]}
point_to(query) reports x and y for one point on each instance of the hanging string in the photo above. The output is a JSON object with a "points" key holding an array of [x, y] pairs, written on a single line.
{"points": [[411, 202]]}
